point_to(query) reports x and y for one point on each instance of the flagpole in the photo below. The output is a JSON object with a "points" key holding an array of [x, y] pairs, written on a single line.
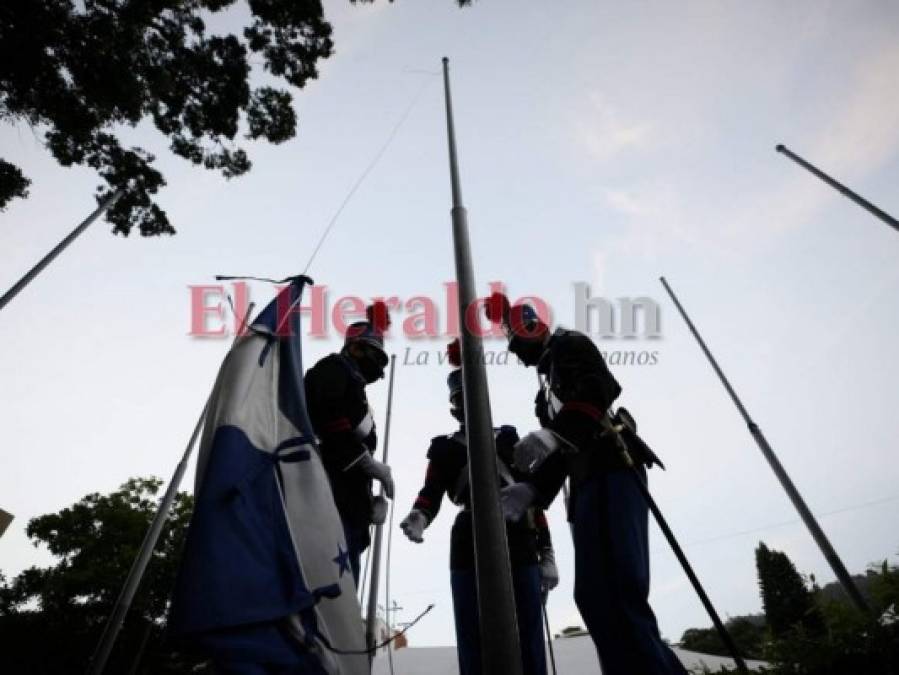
{"points": [[59, 248], [549, 639], [371, 637], [500, 651], [830, 554], [846, 192], [139, 566]]}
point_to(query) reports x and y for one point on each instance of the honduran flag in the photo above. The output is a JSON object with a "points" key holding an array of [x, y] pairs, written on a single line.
{"points": [[265, 582]]}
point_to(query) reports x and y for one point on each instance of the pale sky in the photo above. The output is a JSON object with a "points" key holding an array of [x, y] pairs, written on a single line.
{"points": [[605, 143]]}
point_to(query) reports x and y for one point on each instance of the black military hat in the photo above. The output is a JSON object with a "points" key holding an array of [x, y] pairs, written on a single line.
{"points": [[371, 332]]}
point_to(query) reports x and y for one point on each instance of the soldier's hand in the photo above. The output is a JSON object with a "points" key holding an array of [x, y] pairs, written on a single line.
{"points": [[516, 499], [413, 525], [549, 573], [378, 510], [532, 450], [379, 471]]}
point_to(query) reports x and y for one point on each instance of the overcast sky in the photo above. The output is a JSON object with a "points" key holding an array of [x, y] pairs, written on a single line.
{"points": [[604, 143]]}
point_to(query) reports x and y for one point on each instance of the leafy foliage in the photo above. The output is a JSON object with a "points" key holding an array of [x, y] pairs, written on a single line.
{"points": [[12, 183], [79, 71], [748, 633], [786, 600], [839, 640], [95, 542], [851, 642]]}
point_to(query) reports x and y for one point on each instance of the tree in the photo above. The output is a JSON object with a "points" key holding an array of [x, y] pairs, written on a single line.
{"points": [[785, 598], [747, 632], [78, 72], [66, 605], [842, 640], [851, 641]]}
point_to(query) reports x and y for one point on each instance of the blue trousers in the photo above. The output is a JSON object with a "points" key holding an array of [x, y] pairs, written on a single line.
{"points": [[611, 576], [528, 607], [357, 540]]}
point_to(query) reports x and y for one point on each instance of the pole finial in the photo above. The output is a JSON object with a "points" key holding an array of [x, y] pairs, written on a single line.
{"points": [[445, 60], [780, 147]]}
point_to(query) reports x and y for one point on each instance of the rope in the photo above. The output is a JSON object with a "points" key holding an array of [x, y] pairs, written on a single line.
{"points": [[365, 173], [824, 514], [380, 644], [365, 570]]}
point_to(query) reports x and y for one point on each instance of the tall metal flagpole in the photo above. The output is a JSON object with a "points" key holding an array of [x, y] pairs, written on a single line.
{"points": [[861, 201], [139, 566], [59, 248], [807, 517], [371, 636], [496, 605]]}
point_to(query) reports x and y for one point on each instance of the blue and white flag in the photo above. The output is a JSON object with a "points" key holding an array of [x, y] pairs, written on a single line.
{"points": [[265, 579]]}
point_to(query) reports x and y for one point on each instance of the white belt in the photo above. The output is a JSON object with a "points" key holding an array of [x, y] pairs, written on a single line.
{"points": [[364, 428]]}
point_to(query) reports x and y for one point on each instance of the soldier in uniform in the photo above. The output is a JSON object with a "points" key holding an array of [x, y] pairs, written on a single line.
{"points": [[608, 512], [343, 422], [531, 555]]}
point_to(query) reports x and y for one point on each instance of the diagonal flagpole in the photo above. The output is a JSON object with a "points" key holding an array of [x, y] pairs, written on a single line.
{"points": [[830, 554], [371, 636], [500, 651], [59, 248], [136, 573], [839, 187]]}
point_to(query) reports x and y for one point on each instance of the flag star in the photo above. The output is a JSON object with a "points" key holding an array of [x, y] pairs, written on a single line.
{"points": [[342, 560]]}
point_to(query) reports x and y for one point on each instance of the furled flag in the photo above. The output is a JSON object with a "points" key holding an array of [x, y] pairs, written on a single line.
{"points": [[265, 582]]}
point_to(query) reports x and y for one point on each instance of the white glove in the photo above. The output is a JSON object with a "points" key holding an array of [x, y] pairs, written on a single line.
{"points": [[532, 450], [413, 525], [549, 573], [516, 500], [377, 470], [378, 510]]}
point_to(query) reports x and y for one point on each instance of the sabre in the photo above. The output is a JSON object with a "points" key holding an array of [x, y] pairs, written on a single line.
{"points": [[613, 427]]}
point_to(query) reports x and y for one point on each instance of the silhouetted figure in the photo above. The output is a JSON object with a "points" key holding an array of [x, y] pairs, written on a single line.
{"points": [[608, 513], [531, 555], [343, 422]]}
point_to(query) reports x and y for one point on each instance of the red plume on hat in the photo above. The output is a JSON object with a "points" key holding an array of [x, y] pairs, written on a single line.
{"points": [[454, 379], [497, 308], [520, 320], [378, 315], [454, 353], [373, 328]]}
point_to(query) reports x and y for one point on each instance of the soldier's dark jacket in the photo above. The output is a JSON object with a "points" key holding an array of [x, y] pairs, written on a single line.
{"points": [[447, 475], [578, 391], [339, 410]]}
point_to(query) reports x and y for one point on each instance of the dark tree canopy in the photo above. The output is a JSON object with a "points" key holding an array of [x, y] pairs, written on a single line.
{"points": [[78, 71], [747, 632], [785, 598], [816, 631], [94, 542]]}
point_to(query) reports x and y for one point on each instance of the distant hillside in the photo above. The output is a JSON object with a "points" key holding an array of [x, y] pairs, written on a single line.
{"points": [[834, 591]]}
